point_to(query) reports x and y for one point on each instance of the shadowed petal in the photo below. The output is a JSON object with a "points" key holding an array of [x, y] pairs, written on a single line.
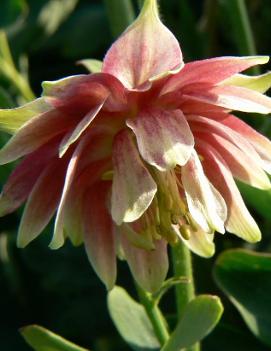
{"points": [[41, 204], [99, 237], [23, 178], [205, 204], [145, 50], [149, 268], [13, 119], [211, 71], [164, 138], [239, 221], [133, 188]]}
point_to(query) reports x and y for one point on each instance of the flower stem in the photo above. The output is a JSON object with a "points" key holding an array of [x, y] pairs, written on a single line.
{"points": [[120, 15], [155, 315], [182, 266], [239, 18]]}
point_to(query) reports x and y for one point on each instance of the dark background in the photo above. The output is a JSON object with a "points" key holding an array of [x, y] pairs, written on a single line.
{"points": [[58, 289]]}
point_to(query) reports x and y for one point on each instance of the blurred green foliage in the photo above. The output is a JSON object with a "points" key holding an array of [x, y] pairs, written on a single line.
{"points": [[58, 289]]}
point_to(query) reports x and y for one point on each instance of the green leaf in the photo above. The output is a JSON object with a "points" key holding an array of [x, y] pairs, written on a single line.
{"points": [[199, 318], [41, 339], [93, 66], [245, 277], [10, 12], [131, 320]]}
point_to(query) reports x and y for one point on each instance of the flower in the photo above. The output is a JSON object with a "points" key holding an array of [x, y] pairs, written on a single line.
{"points": [[143, 153]]}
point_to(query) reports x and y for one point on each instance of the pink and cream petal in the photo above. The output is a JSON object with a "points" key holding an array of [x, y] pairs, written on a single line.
{"points": [[150, 50], [259, 142], [41, 204], [241, 164], [239, 221], [164, 138], [133, 187], [211, 71], [13, 119], [205, 204], [99, 236], [260, 83], [33, 134], [149, 267], [232, 98]]}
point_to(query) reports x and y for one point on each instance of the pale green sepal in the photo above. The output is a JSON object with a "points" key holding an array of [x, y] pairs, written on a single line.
{"points": [[56, 87], [259, 83], [93, 66], [42, 339], [13, 119]]}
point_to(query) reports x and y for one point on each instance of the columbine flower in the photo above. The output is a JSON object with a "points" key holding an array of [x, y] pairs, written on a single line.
{"points": [[139, 155]]}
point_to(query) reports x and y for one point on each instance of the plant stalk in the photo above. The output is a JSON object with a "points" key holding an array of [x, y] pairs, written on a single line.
{"points": [[182, 267], [155, 315]]}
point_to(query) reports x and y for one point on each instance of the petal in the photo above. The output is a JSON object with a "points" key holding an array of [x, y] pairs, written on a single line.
{"points": [[13, 119], [239, 221], [41, 204], [138, 55], [259, 83], [92, 65], [242, 165], [99, 237], [23, 178], [36, 132], [232, 98], [164, 138], [260, 143], [201, 243], [211, 71], [205, 204], [149, 268], [58, 237], [79, 129], [133, 188]]}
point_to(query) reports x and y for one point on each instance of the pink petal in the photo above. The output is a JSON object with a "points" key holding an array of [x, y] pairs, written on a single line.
{"points": [[79, 129], [164, 138], [205, 204], [133, 188], [241, 164], [232, 98], [211, 71], [42, 203], [145, 50], [260, 143], [36, 132], [149, 268], [23, 178], [99, 237], [239, 220]]}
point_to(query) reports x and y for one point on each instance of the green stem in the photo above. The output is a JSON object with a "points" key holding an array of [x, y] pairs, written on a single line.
{"points": [[182, 267], [238, 15], [155, 315], [120, 15]]}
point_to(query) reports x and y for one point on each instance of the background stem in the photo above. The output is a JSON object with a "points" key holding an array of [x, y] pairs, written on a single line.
{"points": [[157, 319], [182, 267]]}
